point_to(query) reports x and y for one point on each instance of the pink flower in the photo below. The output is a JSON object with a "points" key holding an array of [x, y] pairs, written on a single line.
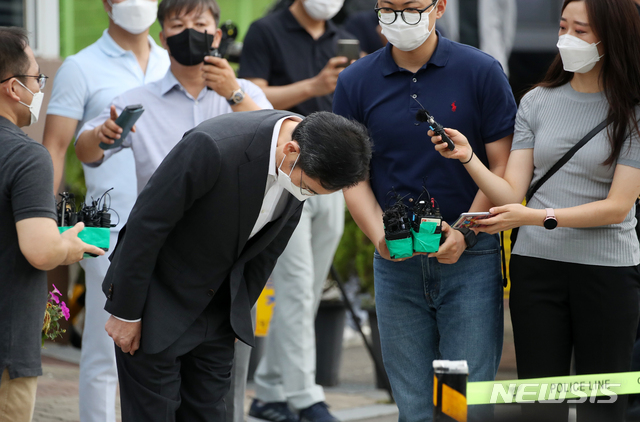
{"points": [[54, 298], [55, 290], [65, 310]]}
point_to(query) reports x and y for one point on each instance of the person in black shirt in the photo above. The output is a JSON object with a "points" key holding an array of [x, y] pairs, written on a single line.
{"points": [[30, 242], [291, 56]]}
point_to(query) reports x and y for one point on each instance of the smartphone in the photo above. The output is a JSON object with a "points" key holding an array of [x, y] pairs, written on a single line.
{"points": [[470, 219], [348, 48], [125, 120]]}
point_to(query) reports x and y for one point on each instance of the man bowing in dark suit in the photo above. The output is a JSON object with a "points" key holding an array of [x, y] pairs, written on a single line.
{"points": [[200, 243]]}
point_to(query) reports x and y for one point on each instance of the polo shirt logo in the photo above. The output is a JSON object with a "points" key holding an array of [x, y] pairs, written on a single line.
{"points": [[453, 107]]}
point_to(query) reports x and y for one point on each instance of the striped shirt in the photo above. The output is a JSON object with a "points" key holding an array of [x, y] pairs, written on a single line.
{"points": [[551, 121]]}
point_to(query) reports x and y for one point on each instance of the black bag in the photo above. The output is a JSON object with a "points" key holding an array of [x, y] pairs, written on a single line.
{"points": [[533, 189]]}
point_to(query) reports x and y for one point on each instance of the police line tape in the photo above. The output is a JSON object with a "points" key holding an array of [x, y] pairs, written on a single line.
{"points": [[601, 388]]}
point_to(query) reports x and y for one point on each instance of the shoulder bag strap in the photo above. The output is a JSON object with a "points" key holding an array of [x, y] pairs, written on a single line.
{"points": [[564, 159]]}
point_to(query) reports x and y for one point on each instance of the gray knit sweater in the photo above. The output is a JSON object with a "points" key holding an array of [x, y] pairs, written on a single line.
{"points": [[551, 121]]}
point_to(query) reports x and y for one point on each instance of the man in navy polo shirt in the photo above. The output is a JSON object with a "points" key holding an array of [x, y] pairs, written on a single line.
{"points": [[446, 305]]}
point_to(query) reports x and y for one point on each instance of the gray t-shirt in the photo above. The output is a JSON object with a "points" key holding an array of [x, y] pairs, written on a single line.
{"points": [[26, 191], [551, 121]]}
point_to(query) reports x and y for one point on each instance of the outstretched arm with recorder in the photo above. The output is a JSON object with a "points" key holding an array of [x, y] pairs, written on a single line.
{"points": [[508, 192]]}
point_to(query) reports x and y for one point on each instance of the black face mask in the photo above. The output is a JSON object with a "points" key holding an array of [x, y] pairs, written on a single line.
{"points": [[190, 46]]}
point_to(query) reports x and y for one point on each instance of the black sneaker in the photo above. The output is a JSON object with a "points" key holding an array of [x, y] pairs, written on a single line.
{"points": [[273, 412], [319, 412]]}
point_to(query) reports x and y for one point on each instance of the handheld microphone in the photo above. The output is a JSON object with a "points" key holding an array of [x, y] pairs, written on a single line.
{"points": [[423, 116]]}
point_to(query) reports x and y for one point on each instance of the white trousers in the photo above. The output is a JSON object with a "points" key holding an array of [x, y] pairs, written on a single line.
{"points": [[98, 374], [287, 371]]}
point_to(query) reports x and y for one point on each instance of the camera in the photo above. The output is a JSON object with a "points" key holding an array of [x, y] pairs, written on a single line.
{"points": [[228, 48]]}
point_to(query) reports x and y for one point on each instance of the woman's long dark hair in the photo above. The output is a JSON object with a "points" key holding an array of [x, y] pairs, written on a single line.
{"points": [[617, 24]]}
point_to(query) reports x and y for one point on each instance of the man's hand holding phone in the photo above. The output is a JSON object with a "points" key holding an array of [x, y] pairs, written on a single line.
{"points": [[113, 131], [324, 83], [349, 48], [109, 131]]}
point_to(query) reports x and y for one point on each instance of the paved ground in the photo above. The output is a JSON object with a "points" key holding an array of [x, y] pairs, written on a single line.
{"points": [[356, 398]]}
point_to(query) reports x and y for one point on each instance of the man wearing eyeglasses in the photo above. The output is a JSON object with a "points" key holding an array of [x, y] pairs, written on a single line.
{"points": [[201, 241], [125, 57], [447, 305], [30, 242]]}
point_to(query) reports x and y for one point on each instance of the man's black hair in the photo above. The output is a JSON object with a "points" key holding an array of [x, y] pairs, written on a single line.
{"points": [[333, 150], [171, 8], [13, 58]]}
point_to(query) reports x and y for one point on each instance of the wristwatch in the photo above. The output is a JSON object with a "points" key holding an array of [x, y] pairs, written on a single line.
{"points": [[236, 97], [469, 236], [550, 222]]}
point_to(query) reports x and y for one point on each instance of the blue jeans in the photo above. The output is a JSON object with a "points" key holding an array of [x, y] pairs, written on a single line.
{"points": [[428, 311]]}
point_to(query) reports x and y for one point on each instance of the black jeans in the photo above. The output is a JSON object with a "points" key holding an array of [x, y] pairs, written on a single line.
{"points": [[557, 307]]}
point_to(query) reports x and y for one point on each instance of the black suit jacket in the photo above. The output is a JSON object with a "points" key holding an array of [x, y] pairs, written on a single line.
{"points": [[189, 231]]}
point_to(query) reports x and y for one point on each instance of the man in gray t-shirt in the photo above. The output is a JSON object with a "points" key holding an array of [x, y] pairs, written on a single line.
{"points": [[29, 239]]}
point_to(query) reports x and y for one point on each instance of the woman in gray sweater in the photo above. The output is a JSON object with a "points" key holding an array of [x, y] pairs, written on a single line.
{"points": [[574, 269]]}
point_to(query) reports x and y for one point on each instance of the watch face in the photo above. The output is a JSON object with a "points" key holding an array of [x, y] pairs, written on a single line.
{"points": [[550, 223], [237, 96]]}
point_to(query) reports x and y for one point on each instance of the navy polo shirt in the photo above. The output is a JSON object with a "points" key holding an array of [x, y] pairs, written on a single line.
{"points": [[462, 87], [278, 49]]}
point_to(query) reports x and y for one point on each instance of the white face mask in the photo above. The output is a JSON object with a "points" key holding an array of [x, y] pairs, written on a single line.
{"points": [[577, 55], [284, 180], [407, 37], [322, 10], [36, 104], [134, 16]]}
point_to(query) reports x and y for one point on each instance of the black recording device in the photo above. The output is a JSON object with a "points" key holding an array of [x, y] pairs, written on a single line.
{"points": [[423, 116], [396, 221], [96, 214], [426, 224], [397, 229], [426, 210]]}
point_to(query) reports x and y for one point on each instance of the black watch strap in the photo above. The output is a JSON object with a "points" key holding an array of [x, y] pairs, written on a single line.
{"points": [[469, 236]]}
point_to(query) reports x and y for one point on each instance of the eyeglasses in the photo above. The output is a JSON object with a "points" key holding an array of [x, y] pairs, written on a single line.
{"points": [[42, 79], [305, 191], [410, 15]]}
